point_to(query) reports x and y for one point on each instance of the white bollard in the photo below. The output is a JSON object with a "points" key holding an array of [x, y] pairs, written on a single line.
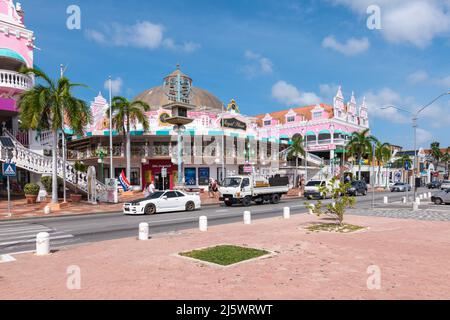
{"points": [[310, 211], [385, 200], [421, 196], [425, 196], [47, 210], [247, 217], [404, 200], [42, 244], [429, 195], [418, 201], [415, 206], [287, 213], [143, 231], [203, 224]]}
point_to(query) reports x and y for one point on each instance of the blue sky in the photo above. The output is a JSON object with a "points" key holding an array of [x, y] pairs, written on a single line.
{"points": [[266, 54]]}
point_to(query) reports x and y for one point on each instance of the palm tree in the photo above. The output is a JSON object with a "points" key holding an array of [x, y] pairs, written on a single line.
{"points": [[41, 108], [296, 150], [446, 159], [360, 145], [124, 114], [436, 153], [383, 154]]}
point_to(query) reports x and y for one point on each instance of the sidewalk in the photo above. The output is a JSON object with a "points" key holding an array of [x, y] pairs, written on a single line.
{"points": [[412, 257], [21, 210]]}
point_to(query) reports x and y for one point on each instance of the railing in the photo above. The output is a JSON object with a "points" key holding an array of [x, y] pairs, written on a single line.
{"points": [[15, 80], [26, 159]]}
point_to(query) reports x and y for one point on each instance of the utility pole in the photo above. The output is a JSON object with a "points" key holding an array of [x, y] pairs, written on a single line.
{"points": [[63, 143], [111, 169]]}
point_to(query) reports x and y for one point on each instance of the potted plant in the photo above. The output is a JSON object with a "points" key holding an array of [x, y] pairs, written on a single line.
{"points": [[31, 192], [80, 167]]}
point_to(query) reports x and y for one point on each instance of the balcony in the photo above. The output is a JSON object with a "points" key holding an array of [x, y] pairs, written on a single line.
{"points": [[15, 80]]}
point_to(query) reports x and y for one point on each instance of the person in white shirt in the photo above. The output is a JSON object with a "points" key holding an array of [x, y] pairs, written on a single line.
{"points": [[151, 188]]}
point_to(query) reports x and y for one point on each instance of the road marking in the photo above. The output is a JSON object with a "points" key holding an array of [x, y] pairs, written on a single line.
{"points": [[33, 240], [6, 258]]}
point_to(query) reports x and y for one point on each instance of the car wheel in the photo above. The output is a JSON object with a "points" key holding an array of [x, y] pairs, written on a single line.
{"points": [[247, 201], [150, 209], [438, 201], [228, 203], [275, 199], [190, 206]]}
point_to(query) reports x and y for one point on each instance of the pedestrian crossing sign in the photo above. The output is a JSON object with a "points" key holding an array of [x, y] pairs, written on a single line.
{"points": [[9, 170]]}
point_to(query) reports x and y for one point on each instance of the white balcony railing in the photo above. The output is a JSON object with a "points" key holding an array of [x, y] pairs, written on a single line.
{"points": [[15, 80]]}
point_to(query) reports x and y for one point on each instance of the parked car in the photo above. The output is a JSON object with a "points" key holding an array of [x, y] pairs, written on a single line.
{"points": [[358, 188], [401, 187], [434, 185], [442, 197], [163, 201], [312, 189], [445, 185]]}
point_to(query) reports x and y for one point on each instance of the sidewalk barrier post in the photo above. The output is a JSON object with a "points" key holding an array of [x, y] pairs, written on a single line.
{"points": [[425, 195], [286, 213], [404, 200], [203, 224], [385, 200], [418, 201], [143, 231], [247, 217], [415, 206], [47, 210], [421, 196], [42, 244], [429, 195], [310, 210]]}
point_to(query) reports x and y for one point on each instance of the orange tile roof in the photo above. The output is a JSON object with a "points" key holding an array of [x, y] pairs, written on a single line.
{"points": [[302, 111]]}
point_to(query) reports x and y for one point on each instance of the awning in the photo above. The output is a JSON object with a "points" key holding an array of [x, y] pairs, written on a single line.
{"points": [[310, 133], [325, 132], [114, 133], [163, 133], [11, 54]]}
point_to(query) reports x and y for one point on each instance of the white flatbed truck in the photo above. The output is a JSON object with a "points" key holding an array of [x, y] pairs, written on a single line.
{"points": [[245, 190]]}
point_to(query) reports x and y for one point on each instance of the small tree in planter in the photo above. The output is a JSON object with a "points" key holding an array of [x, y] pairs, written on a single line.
{"points": [[79, 167], [47, 183], [338, 192], [31, 192]]}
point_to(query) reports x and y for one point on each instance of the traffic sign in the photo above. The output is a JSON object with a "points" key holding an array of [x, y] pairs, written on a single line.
{"points": [[9, 170], [407, 166], [163, 172]]}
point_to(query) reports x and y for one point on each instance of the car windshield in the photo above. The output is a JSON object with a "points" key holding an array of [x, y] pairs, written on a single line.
{"points": [[314, 183], [156, 195], [446, 182], [232, 182], [399, 184]]}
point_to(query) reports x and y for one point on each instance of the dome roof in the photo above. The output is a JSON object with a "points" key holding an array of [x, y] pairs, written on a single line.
{"points": [[157, 97]]}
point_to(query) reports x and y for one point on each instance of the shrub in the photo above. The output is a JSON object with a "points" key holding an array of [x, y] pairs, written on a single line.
{"points": [[47, 182], [339, 193], [32, 189]]}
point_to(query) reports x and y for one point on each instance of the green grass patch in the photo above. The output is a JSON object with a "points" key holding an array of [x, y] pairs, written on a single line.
{"points": [[225, 255], [333, 227]]}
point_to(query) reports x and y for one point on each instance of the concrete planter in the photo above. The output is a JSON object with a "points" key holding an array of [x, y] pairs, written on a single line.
{"points": [[76, 197], [31, 198]]}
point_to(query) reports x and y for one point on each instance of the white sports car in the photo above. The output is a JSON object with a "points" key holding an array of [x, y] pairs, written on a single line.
{"points": [[163, 201]]}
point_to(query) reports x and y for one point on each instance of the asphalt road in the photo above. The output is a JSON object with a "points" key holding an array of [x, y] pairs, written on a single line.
{"points": [[19, 236]]}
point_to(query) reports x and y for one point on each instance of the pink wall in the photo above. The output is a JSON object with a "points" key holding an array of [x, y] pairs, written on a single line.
{"points": [[7, 104]]}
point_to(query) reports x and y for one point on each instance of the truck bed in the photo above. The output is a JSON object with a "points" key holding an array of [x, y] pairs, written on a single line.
{"points": [[270, 190]]}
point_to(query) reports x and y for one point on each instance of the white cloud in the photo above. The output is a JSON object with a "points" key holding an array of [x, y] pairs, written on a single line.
{"points": [[116, 85], [424, 137], [259, 64], [289, 95], [145, 35], [386, 97], [418, 77], [415, 22], [422, 76], [351, 47], [328, 91]]}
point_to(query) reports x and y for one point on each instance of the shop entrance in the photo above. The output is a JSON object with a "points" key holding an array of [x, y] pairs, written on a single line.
{"points": [[160, 183]]}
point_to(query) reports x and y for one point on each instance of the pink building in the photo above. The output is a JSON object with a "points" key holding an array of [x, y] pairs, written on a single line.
{"points": [[324, 127], [16, 51]]}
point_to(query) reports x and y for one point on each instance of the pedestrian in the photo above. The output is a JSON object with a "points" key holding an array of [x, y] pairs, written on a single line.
{"points": [[210, 188], [215, 189], [151, 188]]}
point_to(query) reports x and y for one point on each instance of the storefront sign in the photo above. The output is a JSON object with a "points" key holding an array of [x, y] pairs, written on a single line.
{"points": [[203, 176], [234, 123], [190, 176]]}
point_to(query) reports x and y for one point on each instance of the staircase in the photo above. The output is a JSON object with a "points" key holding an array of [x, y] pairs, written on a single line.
{"points": [[26, 159]]}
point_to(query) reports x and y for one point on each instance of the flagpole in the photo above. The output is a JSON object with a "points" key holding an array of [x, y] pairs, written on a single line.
{"points": [[111, 169]]}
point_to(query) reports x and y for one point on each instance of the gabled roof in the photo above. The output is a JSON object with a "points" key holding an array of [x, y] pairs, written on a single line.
{"points": [[301, 111]]}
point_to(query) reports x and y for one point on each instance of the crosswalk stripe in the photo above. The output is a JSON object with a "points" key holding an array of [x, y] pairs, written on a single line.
{"points": [[37, 230], [31, 235], [33, 240]]}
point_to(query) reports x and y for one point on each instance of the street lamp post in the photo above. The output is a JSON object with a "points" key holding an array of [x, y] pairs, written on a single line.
{"points": [[415, 118], [101, 155]]}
